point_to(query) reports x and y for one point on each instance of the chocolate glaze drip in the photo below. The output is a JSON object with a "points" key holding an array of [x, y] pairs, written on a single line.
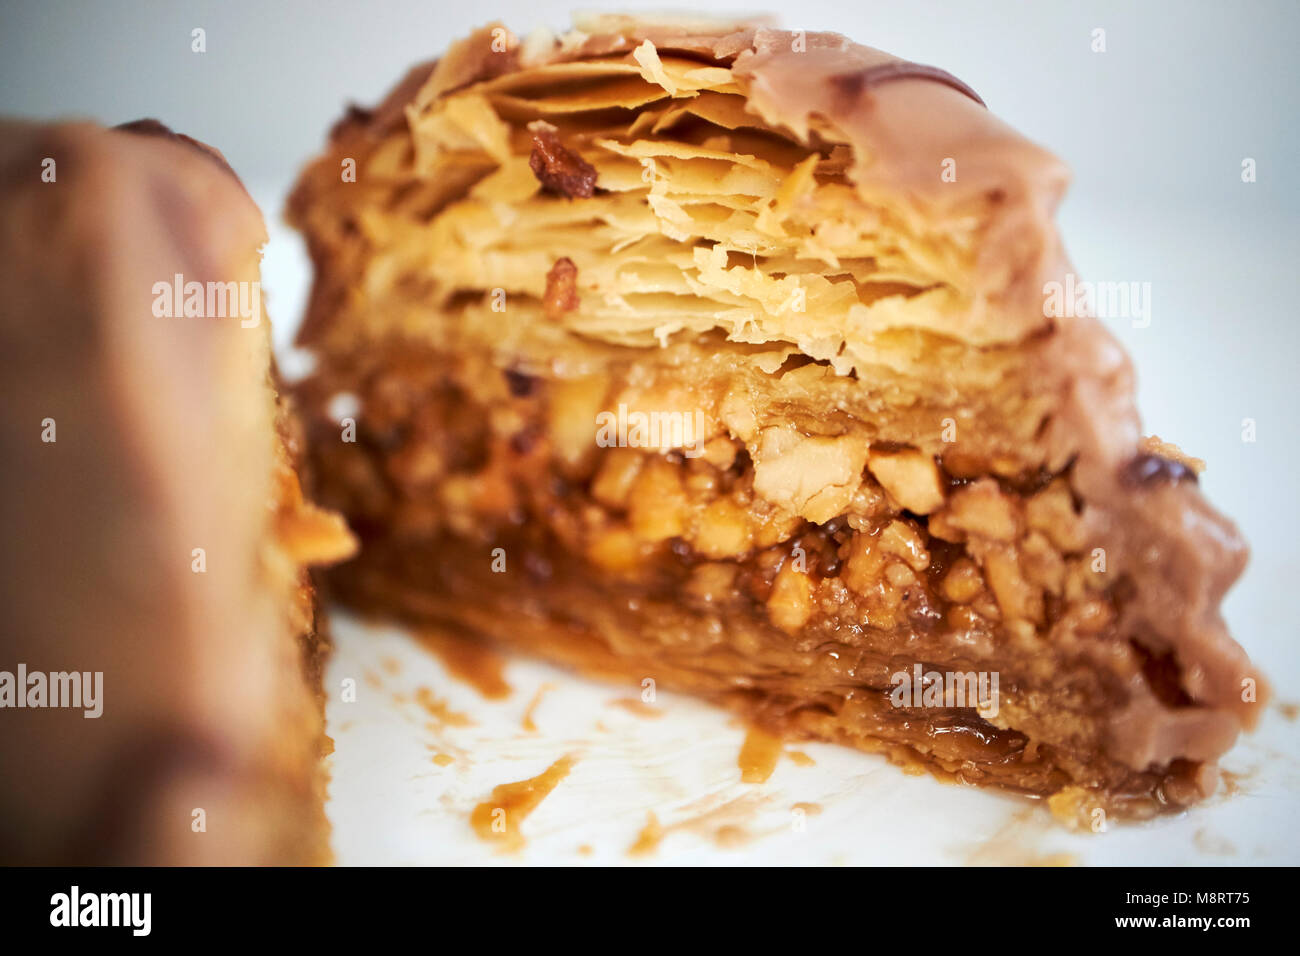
{"points": [[855, 84], [1145, 470]]}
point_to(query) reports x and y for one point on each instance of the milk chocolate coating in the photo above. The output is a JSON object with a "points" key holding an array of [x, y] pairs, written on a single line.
{"points": [[165, 442], [153, 127], [854, 84]]}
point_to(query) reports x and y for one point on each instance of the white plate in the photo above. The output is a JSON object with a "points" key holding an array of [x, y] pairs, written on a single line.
{"points": [[392, 804], [1220, 347]]}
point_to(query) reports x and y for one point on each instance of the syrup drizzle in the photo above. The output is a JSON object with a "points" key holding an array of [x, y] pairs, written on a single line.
{"points": [[499, 818]]}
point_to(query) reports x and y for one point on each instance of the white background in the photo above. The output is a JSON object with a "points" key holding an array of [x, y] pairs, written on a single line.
{"points": [[1155, 129]]}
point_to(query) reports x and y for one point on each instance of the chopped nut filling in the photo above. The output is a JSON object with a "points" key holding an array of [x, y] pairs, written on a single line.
{"points": [[907, 565]]}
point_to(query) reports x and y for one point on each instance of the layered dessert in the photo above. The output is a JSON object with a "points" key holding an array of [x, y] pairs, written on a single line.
{"points": [[721, 356], [160, 664]]}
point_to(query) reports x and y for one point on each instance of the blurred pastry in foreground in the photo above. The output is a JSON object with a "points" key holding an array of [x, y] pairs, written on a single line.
{"points": [[161, 689], [722, 356]]}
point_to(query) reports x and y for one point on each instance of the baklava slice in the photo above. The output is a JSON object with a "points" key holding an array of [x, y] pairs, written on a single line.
{"points": [[160, 661], [719, 356]]}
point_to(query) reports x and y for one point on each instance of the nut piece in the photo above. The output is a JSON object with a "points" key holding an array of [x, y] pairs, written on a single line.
{"points": [[572, 407], [712, 583], [612, 486], [963, 582], [771, 524], [658, 504], [910, 477], [616, 550], [1042, 564], [1051, 511], [790, 604], [981, 509], [903, 541], [722, 530], [813, 477], [1016, 597], [561, 293], [558, 169]]}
